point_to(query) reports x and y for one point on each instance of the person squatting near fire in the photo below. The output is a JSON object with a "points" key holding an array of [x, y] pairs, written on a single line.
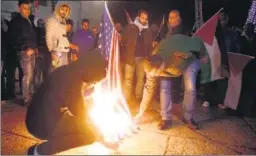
{"points": [[58, 112], [176, 55], [136, 46], [56, 36]]}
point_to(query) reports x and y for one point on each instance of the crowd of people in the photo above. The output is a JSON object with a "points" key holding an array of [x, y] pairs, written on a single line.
{"points": [[56, 63]]}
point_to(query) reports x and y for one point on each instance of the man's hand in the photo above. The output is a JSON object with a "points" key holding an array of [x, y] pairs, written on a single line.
{"points": [[111, 145], [204, 60], [154, 44], [29, 52], [74, 57], [54, 56], [74, 47]]}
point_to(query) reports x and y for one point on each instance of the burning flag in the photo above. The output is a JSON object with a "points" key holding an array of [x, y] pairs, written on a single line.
{"points": [[237, 62], [110, 111]]}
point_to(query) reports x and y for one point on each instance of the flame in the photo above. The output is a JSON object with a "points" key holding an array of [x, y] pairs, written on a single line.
{"points": [[109, 113]]}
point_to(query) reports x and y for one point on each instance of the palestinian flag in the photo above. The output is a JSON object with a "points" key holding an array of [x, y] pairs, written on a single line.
{"points": [[237, 62], [207, 33]]}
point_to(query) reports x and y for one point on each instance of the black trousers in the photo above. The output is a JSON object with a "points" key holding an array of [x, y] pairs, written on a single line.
{"points": [[67, 126], [11, 64], [42, 68], [215, 91]]}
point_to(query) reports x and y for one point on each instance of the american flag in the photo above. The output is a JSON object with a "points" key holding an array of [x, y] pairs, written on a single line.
{"points": [[109, 46]]}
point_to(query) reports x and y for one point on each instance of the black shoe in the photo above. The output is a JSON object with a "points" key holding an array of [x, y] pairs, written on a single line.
{"points": [[190, 123], [165, 124], [31, 150]]}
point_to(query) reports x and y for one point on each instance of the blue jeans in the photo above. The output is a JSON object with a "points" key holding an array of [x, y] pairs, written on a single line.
{"points": [[189, 101], [28, 66], [129, 72]]}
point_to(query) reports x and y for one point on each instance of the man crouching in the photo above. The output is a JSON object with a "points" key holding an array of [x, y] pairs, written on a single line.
{"points": [[58, 112]]}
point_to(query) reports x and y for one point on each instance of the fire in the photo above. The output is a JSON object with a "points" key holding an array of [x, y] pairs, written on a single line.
{"points": [[110, 114]]}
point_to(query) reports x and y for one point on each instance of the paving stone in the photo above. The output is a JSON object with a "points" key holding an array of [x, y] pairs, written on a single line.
{"points": [[13, 120], [178, 129], [181, 146], [143, 143], [14, 144], [229, 131], [251, 122]]}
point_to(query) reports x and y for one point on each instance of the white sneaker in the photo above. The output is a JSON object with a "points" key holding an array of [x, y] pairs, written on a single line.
{"points": [[222, 106], [206, 104]]}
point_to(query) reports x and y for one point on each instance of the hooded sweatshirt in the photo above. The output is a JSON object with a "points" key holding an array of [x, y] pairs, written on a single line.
{"points": [[56, 34], [63, 88]]}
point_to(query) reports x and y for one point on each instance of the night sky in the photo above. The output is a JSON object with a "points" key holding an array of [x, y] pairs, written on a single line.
{"points": [[237, 9]]}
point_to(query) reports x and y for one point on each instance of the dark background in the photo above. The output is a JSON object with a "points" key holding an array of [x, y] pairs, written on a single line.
{"points": [[237, 9]]}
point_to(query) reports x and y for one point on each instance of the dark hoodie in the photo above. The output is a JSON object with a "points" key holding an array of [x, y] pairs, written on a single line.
{"points": [[63, 88]]}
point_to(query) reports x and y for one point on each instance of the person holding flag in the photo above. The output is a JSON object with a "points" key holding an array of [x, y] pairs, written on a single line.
{"points": [[173, 59]]}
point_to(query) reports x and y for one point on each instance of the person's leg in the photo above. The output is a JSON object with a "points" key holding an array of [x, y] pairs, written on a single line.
{"points": [[165, 103], [221, 88], [10, 76], [148, 93], [37, 74], [140, 78], [32, 84], [3, 80], [20, 75], [207, 96], [189, 101], [69, 133], [176, 89], [27, 68], [128, 81]]}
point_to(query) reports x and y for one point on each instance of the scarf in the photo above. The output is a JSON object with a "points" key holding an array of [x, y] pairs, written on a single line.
{"points": [[139, 25]]}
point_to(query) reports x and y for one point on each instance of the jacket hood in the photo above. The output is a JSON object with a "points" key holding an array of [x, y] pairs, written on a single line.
{"points": [[90, 67], [57, 10]]}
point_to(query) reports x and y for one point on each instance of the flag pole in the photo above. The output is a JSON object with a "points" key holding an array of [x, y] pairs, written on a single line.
{"points": [[161, 26], [209, 19]]}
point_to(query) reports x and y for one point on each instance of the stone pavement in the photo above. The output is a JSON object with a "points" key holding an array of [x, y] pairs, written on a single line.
{"points": [[219, 134]]}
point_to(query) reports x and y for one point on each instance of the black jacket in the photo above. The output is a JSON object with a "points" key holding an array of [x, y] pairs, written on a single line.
{"points": [[130, 37], [22, 34]]}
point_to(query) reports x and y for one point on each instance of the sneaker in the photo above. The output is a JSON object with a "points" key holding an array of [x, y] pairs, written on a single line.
{"points": [[165, 124], [206, 104], [190, 123], [222, 106], [32, 150]]}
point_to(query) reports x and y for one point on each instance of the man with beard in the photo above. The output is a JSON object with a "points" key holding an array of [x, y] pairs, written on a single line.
{"points": [[137, 45], [56, 36], [23, 43], [188, 67], [58, 112]]}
